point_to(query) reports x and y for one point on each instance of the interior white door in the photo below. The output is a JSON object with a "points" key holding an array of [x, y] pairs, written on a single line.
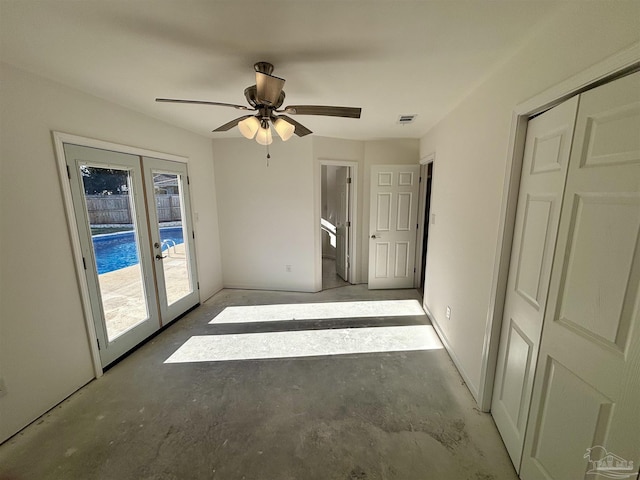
{"points": [[392, 225], [342, 225], [585, 412], [172, 236], [544, 170], [109, 206]]}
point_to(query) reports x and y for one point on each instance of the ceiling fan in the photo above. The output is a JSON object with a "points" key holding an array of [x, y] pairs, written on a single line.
{"points": [[265, 98]]}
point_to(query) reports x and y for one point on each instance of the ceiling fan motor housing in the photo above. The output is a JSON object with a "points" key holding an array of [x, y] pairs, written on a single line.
{"points": [[263, 67], [251, 94]]}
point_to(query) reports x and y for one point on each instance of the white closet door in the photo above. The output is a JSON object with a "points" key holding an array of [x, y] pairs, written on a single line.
{"points": [[393, 227], [544, 171], [585, 412]]}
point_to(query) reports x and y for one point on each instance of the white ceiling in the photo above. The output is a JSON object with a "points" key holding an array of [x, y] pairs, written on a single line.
{"points": [[388, 57]]}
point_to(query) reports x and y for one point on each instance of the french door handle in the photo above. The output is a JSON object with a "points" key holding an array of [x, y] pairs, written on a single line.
{"points": [[160, 257]]}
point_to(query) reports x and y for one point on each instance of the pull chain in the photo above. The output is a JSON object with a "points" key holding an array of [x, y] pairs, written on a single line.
{"points": [[268, 155]]}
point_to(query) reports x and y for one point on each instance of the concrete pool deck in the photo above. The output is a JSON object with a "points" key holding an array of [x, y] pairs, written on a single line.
{"points": [[123, 296]]}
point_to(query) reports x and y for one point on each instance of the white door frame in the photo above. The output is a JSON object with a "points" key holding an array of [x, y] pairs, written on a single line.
{"points": [[59, 138], [619, 63], [353, 209]]}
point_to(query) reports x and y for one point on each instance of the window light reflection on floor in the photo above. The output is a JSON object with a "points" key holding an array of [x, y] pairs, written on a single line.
{"points": [[314, 311], [306, 343]]}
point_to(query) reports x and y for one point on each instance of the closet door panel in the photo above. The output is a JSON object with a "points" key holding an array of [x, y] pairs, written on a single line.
{"points": [[544, 171], [585, 410]]}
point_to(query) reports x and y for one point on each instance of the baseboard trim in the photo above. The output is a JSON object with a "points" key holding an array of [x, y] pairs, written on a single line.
{"points": [[454, 358], [272, 288]]}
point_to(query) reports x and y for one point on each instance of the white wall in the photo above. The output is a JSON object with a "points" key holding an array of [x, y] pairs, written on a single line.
{"points": [[267, 214], [44, 352], [471, 151], [270, 216]]}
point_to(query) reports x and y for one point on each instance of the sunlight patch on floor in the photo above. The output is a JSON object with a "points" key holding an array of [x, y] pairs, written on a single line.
{"points": [[306, 343], [314, 311]]}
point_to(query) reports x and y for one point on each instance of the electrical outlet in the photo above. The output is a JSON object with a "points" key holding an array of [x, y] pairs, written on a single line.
{"points": [[433, 219], [448, 312], [287, 268]]}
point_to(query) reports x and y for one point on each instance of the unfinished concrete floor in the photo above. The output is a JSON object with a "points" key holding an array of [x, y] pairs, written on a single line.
{"points": [[387, 415]]}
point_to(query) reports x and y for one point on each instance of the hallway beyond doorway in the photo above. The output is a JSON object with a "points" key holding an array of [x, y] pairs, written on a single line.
{"points": [[330, 278]]}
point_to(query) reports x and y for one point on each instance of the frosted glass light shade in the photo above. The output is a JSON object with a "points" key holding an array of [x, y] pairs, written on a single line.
{"points": [[264, 136], [284, 129], [249, 127]]}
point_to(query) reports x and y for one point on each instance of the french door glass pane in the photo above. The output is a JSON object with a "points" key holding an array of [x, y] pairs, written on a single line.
{"points": [[108, 197], [170, 213]]}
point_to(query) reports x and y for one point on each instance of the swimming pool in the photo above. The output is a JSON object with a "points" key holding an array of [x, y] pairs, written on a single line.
{"points": [[114, 251]]}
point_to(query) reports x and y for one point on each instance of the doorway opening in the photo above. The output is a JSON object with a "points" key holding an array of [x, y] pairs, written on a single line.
{"points": [[336, 225], [426, 174]]}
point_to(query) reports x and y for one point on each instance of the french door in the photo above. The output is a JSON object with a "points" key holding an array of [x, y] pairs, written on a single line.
{"points": [[133, 218], [169, 223]]}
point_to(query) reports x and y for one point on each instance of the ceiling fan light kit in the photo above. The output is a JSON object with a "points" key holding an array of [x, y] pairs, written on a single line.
{"points": [[265, 98], [263, 137], [284, 129], [249, 127]]}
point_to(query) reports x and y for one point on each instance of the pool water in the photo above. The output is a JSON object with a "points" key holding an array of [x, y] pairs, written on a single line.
{"points": [[114, 251]]}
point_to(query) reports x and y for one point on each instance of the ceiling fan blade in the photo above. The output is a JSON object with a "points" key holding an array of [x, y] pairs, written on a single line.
{"points": [[202, 102], [269, 88], [300, 130], [325, 110], [231, 124]]}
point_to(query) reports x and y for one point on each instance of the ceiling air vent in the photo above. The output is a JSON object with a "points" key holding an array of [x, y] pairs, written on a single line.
{"points": [[406, 119]]}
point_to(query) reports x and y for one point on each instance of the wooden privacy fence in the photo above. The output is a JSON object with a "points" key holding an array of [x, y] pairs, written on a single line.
{"points": [[168, 208], [109, 209]]}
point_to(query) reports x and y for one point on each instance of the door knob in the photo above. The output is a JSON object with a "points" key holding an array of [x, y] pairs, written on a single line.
{"points": [[374, 236]]}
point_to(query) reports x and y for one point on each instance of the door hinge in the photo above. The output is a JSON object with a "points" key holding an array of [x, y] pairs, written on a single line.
{"points": [[188, 182], [419, 179], [348, 224], [98, 340], [84, 263], [193, 234], [414, 269], [68, 173], [198, 285], [348, 179]]}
